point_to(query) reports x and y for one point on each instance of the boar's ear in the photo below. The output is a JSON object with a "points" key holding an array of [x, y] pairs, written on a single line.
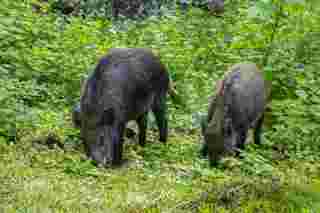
{"points": [[107, 117]]}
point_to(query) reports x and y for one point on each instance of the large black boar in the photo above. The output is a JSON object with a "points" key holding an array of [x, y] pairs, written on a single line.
{"points": [[125, 85], [238, 104]]}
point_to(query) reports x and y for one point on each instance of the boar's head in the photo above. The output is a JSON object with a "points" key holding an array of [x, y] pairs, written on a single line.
{"points": [[219, 135], [99, 129], [102, 137], [213, 133]]}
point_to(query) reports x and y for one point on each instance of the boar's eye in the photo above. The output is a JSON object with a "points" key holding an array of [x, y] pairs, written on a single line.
{"points": [[107, 117]]}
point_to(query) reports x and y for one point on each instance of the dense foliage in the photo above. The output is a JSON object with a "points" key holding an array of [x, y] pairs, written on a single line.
{"points": [[44, 56]]}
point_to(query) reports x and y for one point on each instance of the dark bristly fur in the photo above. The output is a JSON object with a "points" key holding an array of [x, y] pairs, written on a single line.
{"points": [[238, 104], [125, 85]]}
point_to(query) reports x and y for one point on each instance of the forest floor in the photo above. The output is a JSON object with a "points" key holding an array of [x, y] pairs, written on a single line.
{"points": [[158, 178]]}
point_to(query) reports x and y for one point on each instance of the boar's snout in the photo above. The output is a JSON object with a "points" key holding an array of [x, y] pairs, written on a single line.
{"points": [[99, 149]]}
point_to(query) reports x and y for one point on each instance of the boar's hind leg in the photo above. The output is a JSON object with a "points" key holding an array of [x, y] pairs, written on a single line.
{"points": [[241, 139], [142, 125], [160, 112], [258, 130]]}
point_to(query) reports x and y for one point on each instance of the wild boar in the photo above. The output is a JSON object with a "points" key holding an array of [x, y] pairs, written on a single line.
{"points": [[238, 104], [126, 84]]}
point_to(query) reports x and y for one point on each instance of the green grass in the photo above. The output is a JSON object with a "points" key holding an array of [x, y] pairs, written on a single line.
{"points": [[157, 178]]}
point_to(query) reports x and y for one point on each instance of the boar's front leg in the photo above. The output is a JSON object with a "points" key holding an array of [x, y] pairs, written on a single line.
{"points": [[241, 139], [160, 113], [142, 122], [204, 147], [204, 150], [214, 157], [117, 143]]}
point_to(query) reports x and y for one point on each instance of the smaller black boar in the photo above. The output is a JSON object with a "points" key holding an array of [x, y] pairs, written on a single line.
{"points": [[238, 104], [125, 85]]}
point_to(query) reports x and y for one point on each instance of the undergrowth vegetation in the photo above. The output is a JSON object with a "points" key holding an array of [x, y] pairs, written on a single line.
{"points": [[44, 56]]}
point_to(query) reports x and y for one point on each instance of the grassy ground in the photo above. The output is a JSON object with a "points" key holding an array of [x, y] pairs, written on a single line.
{"points": [[157, 178]]}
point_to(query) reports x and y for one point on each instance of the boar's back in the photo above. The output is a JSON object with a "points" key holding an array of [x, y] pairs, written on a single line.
{"points": [[129, 80], [245, 93]]}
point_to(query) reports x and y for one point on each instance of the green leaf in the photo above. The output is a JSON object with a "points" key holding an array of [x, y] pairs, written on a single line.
{"points": [[268, 73]]}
